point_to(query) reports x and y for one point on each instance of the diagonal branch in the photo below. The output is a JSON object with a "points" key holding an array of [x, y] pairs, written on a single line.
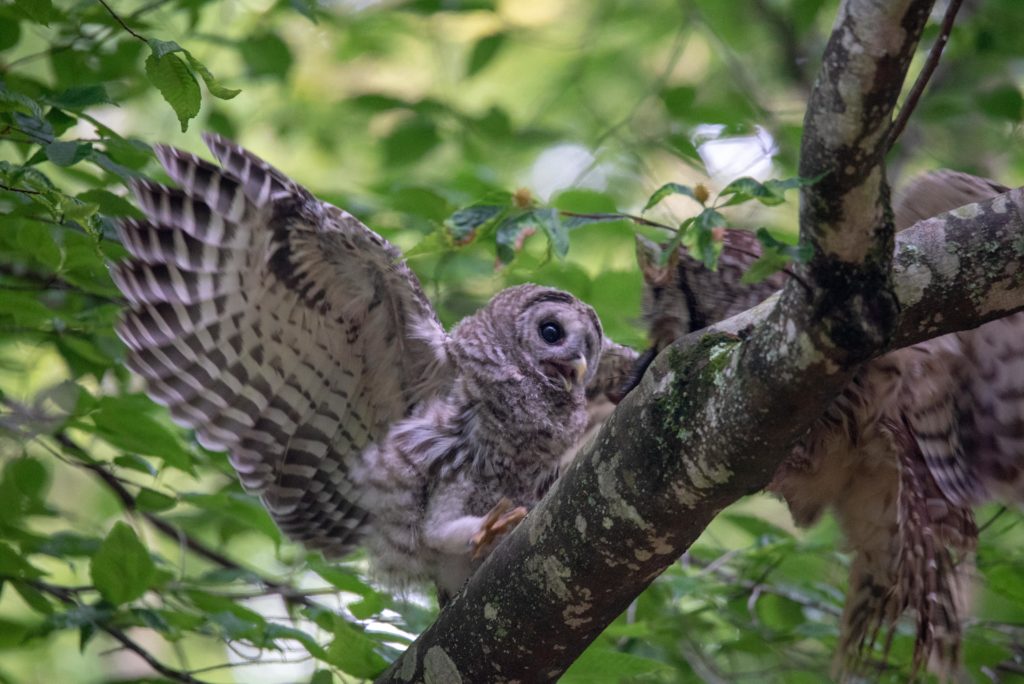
{"points": [[67, 597], [927, 71]]}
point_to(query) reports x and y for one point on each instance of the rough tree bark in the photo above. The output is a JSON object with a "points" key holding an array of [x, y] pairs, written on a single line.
{"points": [[719, 410]]}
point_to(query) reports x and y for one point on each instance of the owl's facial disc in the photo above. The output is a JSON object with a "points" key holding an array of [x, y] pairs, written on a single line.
{"points": [[560, 337]]}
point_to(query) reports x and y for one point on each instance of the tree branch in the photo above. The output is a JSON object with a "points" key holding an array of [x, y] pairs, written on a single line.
{"points": [[926, 73], [121, 21], [288, 593], [66, 596]]}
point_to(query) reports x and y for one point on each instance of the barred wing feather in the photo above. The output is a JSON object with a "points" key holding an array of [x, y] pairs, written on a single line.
{"points": [[277, 326]]}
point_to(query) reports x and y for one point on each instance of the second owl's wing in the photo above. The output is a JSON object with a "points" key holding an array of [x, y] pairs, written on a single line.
{"points": [[279, 327], [965, 412], [613, 372]]}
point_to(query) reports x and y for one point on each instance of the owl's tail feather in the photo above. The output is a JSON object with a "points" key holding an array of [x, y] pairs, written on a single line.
{"points": [[927, 574]]}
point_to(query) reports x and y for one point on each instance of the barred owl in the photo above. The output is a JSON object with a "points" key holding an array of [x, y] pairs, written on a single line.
{"points": [[289, 334], [918, 436]]}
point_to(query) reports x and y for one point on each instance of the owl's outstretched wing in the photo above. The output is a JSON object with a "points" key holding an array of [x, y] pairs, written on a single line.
{"points": [[279, 327]]}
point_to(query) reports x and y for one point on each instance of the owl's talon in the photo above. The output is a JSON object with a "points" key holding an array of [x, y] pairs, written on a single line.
{"points": [[499, 521]]}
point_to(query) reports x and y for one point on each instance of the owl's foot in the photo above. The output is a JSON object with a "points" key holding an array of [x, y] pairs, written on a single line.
{"points": [[501, 520]]}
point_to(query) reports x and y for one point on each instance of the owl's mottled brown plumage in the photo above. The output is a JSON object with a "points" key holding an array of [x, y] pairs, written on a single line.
{"points": [[290, 335], [918, 436]]}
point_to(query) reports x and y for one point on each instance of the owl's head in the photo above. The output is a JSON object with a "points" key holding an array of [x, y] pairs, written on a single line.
{"points": [[546, 333]]}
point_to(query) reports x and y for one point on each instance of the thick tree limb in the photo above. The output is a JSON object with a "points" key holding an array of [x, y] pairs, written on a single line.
{"points": [[716, 414]]}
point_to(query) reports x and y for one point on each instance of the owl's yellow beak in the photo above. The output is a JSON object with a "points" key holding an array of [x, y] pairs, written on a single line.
{"points": [[579, 368], [579, 371]]}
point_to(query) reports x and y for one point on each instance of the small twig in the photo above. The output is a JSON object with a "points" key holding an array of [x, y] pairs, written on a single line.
{"points": [[988, 523], [284, 592], [120, 21], [249, 663], [66, 596], [100, 36], [169, 530], [20, 190], [611, 216], [789, 43], [926, 73]]}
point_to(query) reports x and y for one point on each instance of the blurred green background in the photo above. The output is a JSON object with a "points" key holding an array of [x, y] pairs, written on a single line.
{"points": [[404, 113]]}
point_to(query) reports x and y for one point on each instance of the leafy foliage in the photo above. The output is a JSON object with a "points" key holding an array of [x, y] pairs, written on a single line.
{"points": [[495, 143]]}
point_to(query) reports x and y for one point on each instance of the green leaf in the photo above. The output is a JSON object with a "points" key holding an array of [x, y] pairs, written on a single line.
{"points": [[666, 190], [39, 11], [65, 544], [679, 101], [464, 224], [135, 462], [10, 33], [121, 569], [12, 564], [212, 84], [81, 97], [584, 200], [266, 55], [801, 253], [558, 234], [756, 527], [322, 677], [177, 85], [67, 153], [153, 501], [512, 232], [1002, 102], [354, 652], [703, 226], [162, 48], [770, 193], [240, 508], [340, 578], [484, 52], [59, 121], [601, 664], [765, 265], [410, 141], [33, 597], [119, 421], [109, 203], [775, 256], [745, 189], [11, 101], [23, 489], [76, 617]]}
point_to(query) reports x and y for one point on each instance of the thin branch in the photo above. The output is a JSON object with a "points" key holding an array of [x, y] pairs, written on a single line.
{"points": [[613, 216], [22, 191], [169, 530], [100, 36], [788, 41], [283, 591], [926, 73], [66, 596], [120, 21]]}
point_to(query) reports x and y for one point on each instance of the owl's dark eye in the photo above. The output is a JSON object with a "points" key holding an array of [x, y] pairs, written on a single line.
{"points": [[551, 332]]}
